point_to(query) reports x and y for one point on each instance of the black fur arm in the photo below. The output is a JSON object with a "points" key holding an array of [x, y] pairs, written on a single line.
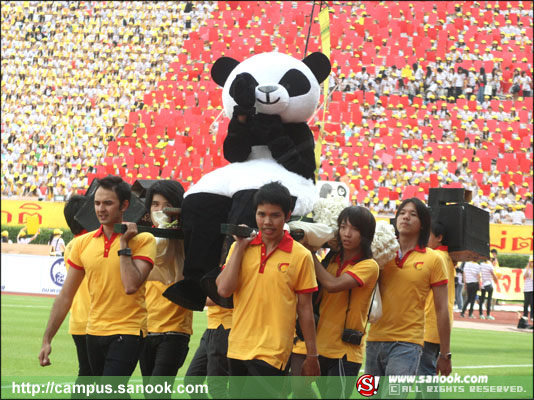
{"points": [[294, 149], [237, 144]]}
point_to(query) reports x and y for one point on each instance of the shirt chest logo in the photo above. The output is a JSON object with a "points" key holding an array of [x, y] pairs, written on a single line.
{"points": [[419, 265], [282, 267]]}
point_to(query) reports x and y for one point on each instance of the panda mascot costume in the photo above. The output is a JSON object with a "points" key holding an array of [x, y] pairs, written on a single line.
{"points": [[269, 98]]}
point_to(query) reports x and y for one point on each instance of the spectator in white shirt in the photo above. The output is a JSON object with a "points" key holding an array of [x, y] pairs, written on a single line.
{"points": [[24, 238], [488, 277], [459, 79], [517, 216], [471, 277], [56, 243]]}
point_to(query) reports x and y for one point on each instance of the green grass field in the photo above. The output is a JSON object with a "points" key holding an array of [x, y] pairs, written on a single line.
{"points": [[23, 319]]}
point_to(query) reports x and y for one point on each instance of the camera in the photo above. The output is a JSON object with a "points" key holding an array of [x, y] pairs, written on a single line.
{"points": [[351, 336]]}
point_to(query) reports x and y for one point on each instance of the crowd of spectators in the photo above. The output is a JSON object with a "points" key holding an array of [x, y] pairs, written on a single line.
{"points": [[73, 72]]}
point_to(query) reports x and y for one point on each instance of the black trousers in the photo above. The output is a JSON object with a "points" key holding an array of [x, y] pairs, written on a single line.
{"points": [[472, 289], [210, 361], [342, 377], [528, 302], [114, 355], [488, 289], [84, 367], [161, 358], [255, 370]]}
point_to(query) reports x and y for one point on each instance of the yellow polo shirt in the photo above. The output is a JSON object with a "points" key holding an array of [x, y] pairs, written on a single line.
{"points": [[218, 315], [163, 314], [337, 311], [431, 322], [79, 310], [404, 287], [112, 310], [265, 300]]}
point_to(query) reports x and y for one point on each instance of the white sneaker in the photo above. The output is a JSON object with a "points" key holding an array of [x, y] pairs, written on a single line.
{"points": [[491, 317]]}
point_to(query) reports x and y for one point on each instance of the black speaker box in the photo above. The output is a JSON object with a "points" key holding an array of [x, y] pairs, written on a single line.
{"points": [[441, 196], [467, 230]]}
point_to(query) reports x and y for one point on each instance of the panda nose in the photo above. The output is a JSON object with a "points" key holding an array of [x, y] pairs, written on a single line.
{"points": [[268, 88]]}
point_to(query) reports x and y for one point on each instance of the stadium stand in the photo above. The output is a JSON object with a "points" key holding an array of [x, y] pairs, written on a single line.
{"points": [[92, 88]]}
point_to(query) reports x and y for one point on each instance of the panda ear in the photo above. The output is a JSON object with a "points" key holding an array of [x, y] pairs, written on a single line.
{"points": [[319, 65], [222, 68]]}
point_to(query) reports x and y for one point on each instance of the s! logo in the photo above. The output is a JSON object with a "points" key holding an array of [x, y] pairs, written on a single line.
{"points": [[282, 267], [367, 385], [419, 265]]}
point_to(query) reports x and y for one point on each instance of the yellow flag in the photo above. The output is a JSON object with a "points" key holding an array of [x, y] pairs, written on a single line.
{"points": [[32, 224]]}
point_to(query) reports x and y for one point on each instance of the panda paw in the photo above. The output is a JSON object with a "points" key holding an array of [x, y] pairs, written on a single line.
{"points": [[243, 90]]}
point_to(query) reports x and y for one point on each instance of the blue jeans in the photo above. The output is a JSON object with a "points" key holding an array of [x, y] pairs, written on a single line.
{"points": [[427, 365], [458, 297], [392, 358]]}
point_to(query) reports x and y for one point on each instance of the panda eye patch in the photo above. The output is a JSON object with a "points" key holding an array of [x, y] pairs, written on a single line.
{"points": [[295, 83]]}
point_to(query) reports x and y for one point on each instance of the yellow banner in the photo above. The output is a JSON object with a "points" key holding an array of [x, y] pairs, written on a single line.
{"points": [[324, 23], [510, 284], [46, 214], [511, 238]]}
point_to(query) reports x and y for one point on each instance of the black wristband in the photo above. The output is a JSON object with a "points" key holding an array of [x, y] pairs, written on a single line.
{"points": [[125, 252]]}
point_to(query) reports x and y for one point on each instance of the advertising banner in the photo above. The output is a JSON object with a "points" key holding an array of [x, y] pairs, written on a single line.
{"points": [[510, 284], [46, 214], [32, 274], [511, 238]]}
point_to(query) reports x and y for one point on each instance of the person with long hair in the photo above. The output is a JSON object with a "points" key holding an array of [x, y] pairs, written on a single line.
{"points": [[395, 342], [169, 325], [347, 287]]}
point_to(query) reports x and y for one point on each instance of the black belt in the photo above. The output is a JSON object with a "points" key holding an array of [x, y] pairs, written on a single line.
{"points": [[167, 333]]}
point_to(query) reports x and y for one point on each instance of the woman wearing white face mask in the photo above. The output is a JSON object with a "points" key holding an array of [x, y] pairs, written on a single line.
{"points": [[169, 325]]}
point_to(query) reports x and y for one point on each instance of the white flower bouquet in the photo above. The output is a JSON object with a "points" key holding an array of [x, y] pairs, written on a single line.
{"points": [[385, 245], [326, 211]]}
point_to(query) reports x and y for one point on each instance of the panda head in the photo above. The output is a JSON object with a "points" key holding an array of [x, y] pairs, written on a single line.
{"points": [[285, 85]]}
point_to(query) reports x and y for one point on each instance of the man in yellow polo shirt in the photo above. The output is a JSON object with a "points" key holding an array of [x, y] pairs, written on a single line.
{"points": [[81, 303], [272, 279], [116, 267], [427, 365], [210, 361], [395, 342]]}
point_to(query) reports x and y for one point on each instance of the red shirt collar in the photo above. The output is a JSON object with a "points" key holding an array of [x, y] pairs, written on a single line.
{"points": [[352, 261], [442, 248], [400, 262], [100, 231], [286, 244]]}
